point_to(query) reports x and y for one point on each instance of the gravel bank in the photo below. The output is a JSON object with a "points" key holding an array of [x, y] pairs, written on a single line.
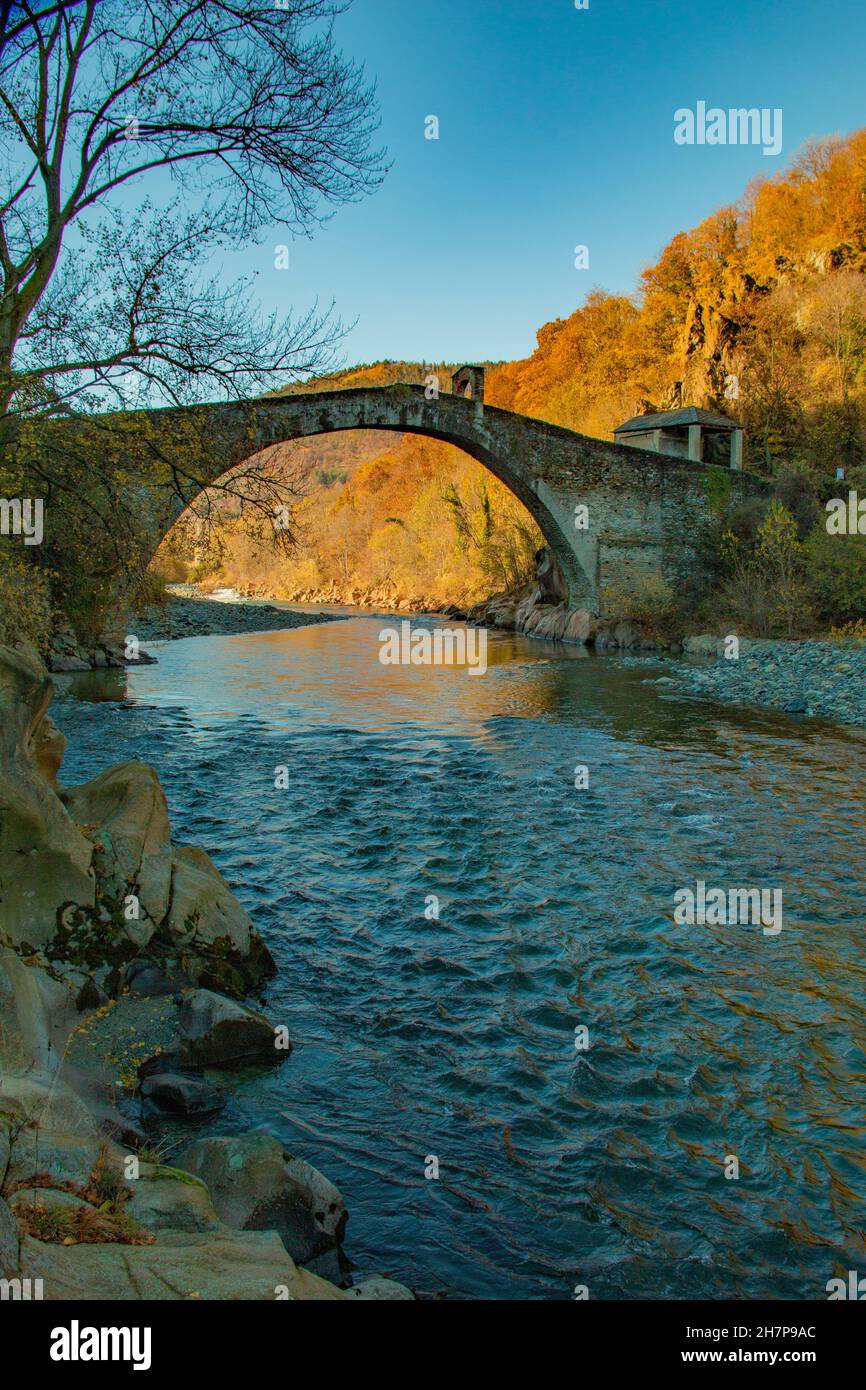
{"points": [[204, 617], [813, 678]]}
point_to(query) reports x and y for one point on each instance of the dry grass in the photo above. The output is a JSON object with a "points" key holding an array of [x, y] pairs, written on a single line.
{"points": [[99, 1219]]}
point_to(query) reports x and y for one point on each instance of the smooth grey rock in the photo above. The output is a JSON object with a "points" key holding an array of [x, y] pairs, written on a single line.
{"points": [[375, 1288], [226, 1266], [128, 813], [167, 1199], [36, 1012], [153, 978], [218, 1032], [203, 908], [45, 860], [256, 1186], [175, 1094], [64, 665]]}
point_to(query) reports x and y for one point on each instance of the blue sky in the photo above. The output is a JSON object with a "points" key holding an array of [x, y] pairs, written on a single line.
{"points": [[556, 128]]}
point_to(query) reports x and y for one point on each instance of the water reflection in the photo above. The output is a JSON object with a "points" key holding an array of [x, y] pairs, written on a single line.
{"points": [[456, 1037]]}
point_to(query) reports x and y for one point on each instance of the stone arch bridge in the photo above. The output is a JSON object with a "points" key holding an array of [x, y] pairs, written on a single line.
{"points": [[644, 510]]}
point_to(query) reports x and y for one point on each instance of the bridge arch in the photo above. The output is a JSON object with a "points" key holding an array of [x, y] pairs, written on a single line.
{"points": [[647, 512], [238, 431]]}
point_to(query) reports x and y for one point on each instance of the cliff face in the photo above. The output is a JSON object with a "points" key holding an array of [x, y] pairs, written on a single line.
{"points": [[122, 960]]}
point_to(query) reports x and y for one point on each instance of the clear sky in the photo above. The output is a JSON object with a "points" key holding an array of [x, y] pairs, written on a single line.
{"points": [[556, 129]]}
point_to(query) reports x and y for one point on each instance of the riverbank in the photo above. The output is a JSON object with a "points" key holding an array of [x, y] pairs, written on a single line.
{"points": [[125, 960], [374, 598], [188, 613], [811, 677]]}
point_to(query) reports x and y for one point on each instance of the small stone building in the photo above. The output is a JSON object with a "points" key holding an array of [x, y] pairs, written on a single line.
{"points": [[469, 381], [690, 433]]}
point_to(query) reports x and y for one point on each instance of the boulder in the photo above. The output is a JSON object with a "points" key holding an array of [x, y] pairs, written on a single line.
{"points": [[67, 1157], [375, 1288], [51, 1198], [49, 746], [65, 665], [172, 1093], [204, 911], [126, 813], [36, 1012], [228, 1266], [218, 1032], [167, 1199], [626, 635], [551, 584], [256, 1186], [115, 655], [705, 644], [43, 1104], [580, 626], [153, 978]]}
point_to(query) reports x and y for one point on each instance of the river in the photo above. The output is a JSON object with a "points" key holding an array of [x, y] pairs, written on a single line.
{"points": [[454, 1038]]}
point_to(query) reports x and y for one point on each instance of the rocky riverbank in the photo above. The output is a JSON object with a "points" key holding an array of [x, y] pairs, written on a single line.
{"points": [[538, 608], [186, 614], [189, 614], [809, 677], [124, 962], [386, 597]]}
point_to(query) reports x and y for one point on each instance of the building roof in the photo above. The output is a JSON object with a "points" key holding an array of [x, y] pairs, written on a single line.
{"points": [[671, 419]]}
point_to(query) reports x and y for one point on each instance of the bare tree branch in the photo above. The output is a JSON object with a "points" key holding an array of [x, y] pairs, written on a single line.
{"points": [[260, 123]]}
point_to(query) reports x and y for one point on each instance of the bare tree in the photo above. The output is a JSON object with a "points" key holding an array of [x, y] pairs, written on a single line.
{"points": [[213, 120]]}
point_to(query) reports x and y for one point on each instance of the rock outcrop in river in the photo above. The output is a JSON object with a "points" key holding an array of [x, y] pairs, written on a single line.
{"points": [[123, 963], [538, 608]]}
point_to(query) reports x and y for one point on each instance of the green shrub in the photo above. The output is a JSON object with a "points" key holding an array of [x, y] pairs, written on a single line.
{"points": [[765, 588], [25, 604], [836, 574]]}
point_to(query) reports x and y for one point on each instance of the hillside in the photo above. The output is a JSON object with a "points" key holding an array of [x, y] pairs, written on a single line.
{"points": [[760, 312]]}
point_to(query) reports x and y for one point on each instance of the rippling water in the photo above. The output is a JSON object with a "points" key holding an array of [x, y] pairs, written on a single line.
{"points": [[456, 1037]]}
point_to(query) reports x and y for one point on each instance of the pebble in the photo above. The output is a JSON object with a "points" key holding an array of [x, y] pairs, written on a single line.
{"points": [[804, 677], [201, 617]]}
